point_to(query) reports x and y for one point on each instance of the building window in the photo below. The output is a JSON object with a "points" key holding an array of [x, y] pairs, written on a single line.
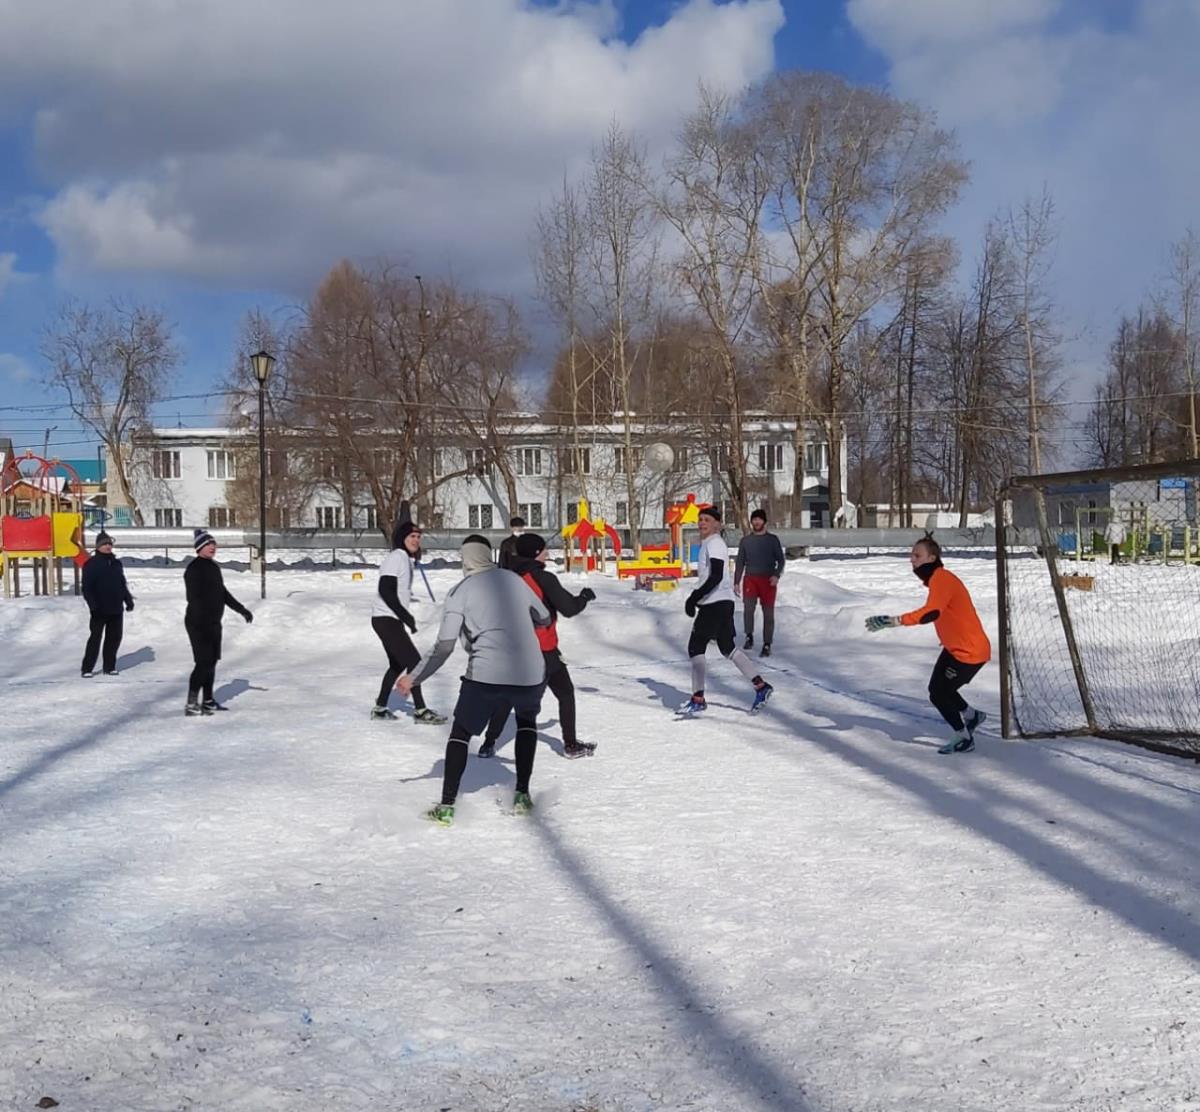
{"points": [[532, 513], [479, 516], [622, 513], [279, 518], [370, 517], [816, 458], [221, 465], [576, 461], [529, 461], [329, 517], [221, 517], [770, 457], [476, 460], [168, 519], [721, 457], [439, 462], [572, 512], [277, 463], [620, 458], [165, 465], [680, 462]]}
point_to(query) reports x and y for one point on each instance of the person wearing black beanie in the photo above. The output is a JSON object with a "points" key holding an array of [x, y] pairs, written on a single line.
{"points": [[206, 602], [529, 563], [393, 623], [107, 596]]}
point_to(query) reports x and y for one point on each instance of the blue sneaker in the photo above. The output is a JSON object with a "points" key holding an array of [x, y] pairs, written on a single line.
{"points": [[761, 695], [960, 743], [692, 708], [973, 721]]}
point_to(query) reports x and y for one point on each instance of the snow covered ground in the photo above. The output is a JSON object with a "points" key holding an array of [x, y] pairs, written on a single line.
{"points": [[809, 910]]}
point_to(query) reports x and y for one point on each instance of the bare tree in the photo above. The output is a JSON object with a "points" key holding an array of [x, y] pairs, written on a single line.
{"points": [[114, 364], [1183, 280]]}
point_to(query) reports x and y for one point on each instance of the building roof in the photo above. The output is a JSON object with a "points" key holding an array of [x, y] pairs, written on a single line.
{"points": [[88, 470]]}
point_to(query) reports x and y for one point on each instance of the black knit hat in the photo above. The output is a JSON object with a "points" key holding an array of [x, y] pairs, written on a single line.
{"points": [[711, 511], [103, 538], [402, 532], [530, 545], [201, 538]]}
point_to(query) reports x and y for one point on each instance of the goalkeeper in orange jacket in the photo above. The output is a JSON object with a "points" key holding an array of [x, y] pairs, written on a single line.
{"points": [[965, 646]]}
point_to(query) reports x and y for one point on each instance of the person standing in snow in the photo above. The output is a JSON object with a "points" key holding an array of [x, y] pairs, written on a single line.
{"points": [[107, 596], [493, 614], [206, 602], [530, 565], [965, 646], [508, 546], [1114, 537], [760, 560], [711, 607], [390, 616]]}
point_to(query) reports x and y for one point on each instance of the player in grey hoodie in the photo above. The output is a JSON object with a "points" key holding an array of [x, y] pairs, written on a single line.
{"points": [[493, 614]]}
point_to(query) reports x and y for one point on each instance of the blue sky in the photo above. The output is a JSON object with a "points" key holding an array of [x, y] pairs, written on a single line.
{"points": [[181, 168]]}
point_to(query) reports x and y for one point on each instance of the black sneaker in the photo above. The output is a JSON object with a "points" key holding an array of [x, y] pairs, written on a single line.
{"points": [[487, 749], [86, 675], [575, 749], [749, 642], [193, 710], [112, 671], [766, 650], [382, 712], [211, 706]]}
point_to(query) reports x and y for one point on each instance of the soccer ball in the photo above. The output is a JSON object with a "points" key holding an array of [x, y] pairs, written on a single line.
{"points": [[659, 457]]}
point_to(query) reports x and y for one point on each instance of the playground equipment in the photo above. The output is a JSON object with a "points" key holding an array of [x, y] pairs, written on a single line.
{"points": [[591, 534], [667, 561], [41, 520]]}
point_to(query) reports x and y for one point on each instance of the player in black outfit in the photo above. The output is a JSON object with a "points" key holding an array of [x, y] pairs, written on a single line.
{"points": [[107, 596], [206, 602]]}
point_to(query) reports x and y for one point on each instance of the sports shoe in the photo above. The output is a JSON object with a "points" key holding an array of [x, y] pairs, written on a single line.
{"points": [[192, 710], [960, 743], [382, 713], [86, 675], [574, 749], [112, 671], [211, 706], [761, 695], [442, 814], [766, 650], [973, 721], [692, 708], [487, 749], [522, 804], [749, 642], [429, 717]]}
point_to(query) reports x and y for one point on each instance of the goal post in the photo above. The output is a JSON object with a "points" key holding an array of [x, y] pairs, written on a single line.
{"points": [[1098, 584]]}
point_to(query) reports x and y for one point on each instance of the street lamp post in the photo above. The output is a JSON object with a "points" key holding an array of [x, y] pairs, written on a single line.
{"points": [[262, 362]]}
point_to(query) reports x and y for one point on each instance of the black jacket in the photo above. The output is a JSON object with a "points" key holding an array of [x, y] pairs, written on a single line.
{"points": [[104, 587], [206, 594], [557, 598], [508, 552]]}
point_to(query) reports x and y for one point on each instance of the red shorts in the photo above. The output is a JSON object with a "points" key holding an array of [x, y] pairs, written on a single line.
{"points": [[759, 587]]}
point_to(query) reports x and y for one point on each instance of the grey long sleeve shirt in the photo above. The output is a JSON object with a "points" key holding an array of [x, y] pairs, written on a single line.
{"points": [[492, 613], [758, 554]]}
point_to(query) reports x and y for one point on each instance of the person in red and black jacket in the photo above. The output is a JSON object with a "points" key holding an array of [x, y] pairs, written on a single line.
{"points": [[529, 563]]}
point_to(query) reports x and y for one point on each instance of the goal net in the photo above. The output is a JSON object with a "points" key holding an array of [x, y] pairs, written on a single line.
{"points": [[1099, 584]]}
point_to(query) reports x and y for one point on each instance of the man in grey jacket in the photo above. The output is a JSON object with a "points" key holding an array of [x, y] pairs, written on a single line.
{"points": [[760, 560], [493, 614]]}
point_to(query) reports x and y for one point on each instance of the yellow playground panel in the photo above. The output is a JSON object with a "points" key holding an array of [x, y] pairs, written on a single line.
{"points": [[591, 535], [32, 526], [669, 561]]}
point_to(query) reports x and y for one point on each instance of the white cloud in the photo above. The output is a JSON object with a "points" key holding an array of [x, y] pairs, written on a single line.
{"points": [[242, 145], [14, 370], [1103, 114], [8, 269], [912, 24]]}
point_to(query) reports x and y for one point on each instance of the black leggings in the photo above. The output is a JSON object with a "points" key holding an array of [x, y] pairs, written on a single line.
{"points": [[206, 651], [949, 674], [458, 745], [558, 680], [402, 657]]}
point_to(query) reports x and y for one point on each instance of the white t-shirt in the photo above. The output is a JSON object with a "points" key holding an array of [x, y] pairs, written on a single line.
{"points": [[400, 564], [714, 548]]}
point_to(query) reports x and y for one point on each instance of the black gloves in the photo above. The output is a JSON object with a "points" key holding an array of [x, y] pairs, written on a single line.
{"points": [[587, 594], [689, 607], [129, 605], [248, 616], [411, 622]]}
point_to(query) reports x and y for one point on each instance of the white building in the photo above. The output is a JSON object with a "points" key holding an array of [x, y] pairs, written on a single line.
{"points": [[183, 478]]}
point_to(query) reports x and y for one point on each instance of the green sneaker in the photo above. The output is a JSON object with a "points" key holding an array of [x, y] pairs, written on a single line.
{"points": [[442, 814], [522, 804], [960, 743]]}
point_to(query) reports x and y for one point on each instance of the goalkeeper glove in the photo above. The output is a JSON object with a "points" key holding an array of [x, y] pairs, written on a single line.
{"points": [[689, 607], [880, 621]]}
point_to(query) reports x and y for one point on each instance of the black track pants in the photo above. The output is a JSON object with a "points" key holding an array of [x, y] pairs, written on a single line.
{"points": [[949, 674], [402, 657], [111, 627]]}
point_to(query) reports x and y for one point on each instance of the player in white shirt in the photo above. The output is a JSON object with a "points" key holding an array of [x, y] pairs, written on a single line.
{"points": [[390, 615], [711, 605]]}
